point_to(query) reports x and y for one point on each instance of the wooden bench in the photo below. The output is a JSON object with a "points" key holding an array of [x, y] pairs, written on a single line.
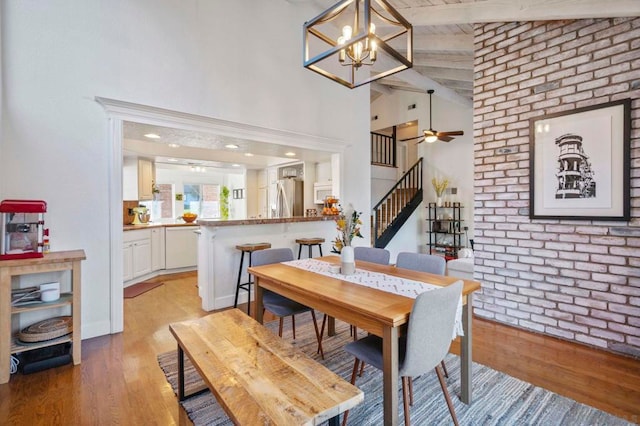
{"points": [[257, 377]]}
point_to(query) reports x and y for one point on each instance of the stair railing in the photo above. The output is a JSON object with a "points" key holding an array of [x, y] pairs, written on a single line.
{"points": [[405, 194], [383, 149]]}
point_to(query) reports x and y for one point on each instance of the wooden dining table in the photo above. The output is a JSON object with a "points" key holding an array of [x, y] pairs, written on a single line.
{"points": [[378, 312]]}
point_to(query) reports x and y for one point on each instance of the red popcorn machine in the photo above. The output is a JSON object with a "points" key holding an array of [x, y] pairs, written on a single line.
{"points": [[22, 229]]}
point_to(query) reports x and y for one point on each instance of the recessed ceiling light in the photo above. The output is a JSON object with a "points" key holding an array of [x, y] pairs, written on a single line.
{"points": [[173, 160], [235, 165], [231, 146], [152, 136], [174, 145], [290, 154], [248, 154]]}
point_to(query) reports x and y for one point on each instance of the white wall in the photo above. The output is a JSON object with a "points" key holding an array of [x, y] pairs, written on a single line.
{"points": [[453, 160], [382, 180], [237, 207], [409, 237], [190, 56]]}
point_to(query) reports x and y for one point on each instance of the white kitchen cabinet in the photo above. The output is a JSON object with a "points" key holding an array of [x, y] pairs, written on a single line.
{"points": [[263, 180], [157, 249], [181, 247], [127, 264], [136, 254], [138, 177], [146, 178], [323, 172], [148, 252], [141, 255]]}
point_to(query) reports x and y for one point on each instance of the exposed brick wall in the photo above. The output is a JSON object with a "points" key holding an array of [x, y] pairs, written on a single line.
{"points": [[577, 280]]}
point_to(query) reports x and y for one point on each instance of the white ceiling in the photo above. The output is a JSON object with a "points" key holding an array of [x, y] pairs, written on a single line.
{"points": [[208, 149], [443, 61]]}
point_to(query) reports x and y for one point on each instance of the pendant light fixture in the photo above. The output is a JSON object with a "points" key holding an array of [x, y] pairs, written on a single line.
{"points": [[355, 42]]}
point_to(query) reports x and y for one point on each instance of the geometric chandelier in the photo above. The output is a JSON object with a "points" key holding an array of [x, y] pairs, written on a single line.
{"points": [[355, 42]]}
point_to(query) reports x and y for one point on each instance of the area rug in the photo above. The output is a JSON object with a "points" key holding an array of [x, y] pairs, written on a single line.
{"points": [[499, 399], [138, 289]]}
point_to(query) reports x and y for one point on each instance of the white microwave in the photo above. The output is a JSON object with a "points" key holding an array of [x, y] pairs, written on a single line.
{"points": [[320, 191]]}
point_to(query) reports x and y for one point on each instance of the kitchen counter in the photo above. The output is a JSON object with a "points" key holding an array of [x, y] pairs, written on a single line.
{"points": [[219, 260], [221, 222], [157, 225], [263, 221]]}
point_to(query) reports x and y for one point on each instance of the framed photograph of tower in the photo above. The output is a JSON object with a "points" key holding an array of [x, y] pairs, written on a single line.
{"points": [[580, 163]]}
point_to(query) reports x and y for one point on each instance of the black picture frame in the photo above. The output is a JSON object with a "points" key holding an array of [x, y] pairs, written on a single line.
{"points": [[238, 194], [580, 163]]}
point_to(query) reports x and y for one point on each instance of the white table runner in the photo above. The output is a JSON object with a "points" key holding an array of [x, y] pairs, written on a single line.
{"points": [[380, 281]]}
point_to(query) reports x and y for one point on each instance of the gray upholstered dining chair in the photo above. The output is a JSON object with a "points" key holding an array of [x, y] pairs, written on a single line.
{"points": [[424, 263], [372, 254], [427, 342], [367, 254], [277, 304]]}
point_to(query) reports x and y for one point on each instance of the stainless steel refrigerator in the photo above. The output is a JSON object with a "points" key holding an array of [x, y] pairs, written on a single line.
{"points": [[289, 198]]}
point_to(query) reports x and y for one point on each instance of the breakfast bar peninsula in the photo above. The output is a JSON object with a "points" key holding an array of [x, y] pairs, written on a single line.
{"points": [[219, 260]]}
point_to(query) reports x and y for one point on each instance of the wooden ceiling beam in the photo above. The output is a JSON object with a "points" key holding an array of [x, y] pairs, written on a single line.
{"points": [[461, 62], [459, 43], [423, 83], [519, 10], [446, 73], [455, 84], [380, 88]]}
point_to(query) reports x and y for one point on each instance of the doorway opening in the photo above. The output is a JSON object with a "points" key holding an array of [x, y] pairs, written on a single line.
{"points": [[119, 113]]}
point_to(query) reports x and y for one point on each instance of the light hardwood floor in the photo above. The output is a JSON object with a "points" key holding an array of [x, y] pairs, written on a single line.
{"points": [[119, 381]]}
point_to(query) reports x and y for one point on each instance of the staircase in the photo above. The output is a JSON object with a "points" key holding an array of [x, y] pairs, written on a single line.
{"points": [[396, 206]]}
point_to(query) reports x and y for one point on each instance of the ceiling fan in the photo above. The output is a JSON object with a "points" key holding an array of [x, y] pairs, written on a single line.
{"points": [[433, 135]]}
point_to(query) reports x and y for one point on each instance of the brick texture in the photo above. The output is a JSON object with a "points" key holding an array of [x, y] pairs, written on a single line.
{"points": [[576, 280]]}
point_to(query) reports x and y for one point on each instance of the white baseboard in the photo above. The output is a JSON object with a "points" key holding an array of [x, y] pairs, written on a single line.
{"points": [[158, 273], [95, 329]]}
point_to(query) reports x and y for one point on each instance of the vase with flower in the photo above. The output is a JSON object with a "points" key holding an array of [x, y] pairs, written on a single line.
{"points": [[439, 186], [348, 226]]}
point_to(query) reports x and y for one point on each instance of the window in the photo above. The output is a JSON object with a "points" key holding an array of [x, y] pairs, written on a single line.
{"points": [[202, 199]]}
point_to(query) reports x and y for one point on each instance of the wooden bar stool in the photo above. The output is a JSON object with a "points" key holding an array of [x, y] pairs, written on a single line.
{"points": [[310, 242], [247, 248]]}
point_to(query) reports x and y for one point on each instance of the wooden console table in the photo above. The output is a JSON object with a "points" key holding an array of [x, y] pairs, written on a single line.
{"points": [[70, 296]]}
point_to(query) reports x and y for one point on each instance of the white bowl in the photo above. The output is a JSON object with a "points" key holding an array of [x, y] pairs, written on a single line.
{"points": [[50, 292]]}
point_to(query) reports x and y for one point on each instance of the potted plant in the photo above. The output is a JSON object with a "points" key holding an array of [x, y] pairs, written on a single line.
{"points": [[348, 226], [155, 190], [439, 186], [224, 203]]}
